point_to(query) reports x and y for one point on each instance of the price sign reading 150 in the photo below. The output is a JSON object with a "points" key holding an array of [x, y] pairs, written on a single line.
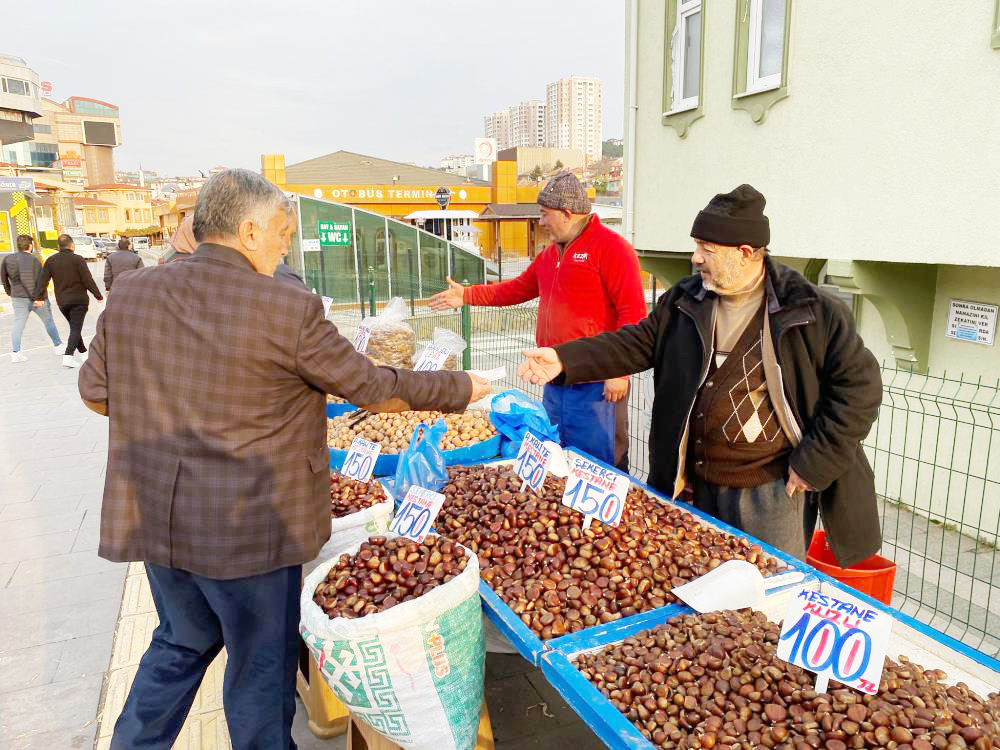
{"points": [[596, 491], [417, 513], [360, 461], [532, 461]]}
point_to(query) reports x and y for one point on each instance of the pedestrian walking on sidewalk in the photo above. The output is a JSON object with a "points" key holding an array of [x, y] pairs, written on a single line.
{"points": [[121, 260], [72, 280], [214, 378], [19, 273]]}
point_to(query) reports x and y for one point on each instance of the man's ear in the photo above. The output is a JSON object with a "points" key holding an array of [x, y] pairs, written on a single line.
{"points": [[747, 252], [248, 231]]}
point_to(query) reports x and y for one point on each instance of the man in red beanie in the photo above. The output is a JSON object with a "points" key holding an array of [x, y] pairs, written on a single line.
{"points": [[763, 389], [587, 282]]}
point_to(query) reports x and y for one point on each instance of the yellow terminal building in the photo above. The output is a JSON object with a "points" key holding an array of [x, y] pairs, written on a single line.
{"points": [[493, 216]]}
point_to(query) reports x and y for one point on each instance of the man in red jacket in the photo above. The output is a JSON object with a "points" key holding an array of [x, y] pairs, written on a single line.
{"points": [[587, 282]]}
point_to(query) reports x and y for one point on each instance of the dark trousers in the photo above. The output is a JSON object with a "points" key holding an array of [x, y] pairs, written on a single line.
{"points": [[256, 618], [765, 512], [75, 314], [588, 422]]}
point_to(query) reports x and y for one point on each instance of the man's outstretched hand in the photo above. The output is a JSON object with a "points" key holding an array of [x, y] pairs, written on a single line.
{"points": [[451, 298], [481, 387], [539, 365]]}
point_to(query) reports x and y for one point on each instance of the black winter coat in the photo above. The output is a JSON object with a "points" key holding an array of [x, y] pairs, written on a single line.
{"points": [[831, 381]]}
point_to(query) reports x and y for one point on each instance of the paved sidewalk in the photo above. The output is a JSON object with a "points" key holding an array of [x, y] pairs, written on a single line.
{"points": [[59, 602]]}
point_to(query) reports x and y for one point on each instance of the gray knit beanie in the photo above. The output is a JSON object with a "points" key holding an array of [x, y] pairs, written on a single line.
{"points": [[564, 191]]}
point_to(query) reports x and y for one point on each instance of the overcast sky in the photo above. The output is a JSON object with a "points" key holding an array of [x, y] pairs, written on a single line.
{"points": [[214, 82]]}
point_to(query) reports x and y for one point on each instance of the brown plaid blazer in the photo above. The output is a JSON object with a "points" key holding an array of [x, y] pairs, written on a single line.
{"points": [[215, 379]]}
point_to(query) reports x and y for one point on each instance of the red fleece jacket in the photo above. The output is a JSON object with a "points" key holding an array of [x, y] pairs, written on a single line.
{"points": [[594, 287]]}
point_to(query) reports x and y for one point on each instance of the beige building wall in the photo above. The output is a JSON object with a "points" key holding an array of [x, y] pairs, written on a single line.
{"points": [[886, 148]]}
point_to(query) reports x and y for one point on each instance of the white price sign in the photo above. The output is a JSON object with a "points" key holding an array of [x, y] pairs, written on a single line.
{"points": [[327, 301], [361, 338], [361, 458], [433, 358], [532, 461], [416, 515], [836, 636], [596, 491]]}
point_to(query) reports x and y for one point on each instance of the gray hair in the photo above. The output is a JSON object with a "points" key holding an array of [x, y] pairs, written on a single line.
{"points": [[233, 196]]}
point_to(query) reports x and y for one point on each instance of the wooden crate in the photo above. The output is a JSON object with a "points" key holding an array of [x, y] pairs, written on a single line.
{"points": [[362, 737], [328, 717]]}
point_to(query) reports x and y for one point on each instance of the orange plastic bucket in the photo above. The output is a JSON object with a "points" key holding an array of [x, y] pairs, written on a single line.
{"points": [[873, 576]]}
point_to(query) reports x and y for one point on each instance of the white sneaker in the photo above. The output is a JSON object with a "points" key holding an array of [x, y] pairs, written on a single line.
{"points": [[68, 361], [18, 357], [80, 357], [59, 349]]}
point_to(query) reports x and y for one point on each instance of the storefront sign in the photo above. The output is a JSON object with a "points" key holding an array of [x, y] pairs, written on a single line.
{"points": [[532, 461], [595, 490], [310, 246], [433, 358], [17, 185], [74, 163], [72, 173], [417, 513], [335, 233], [972, 321], [838, 637], [361, 458], [389, 194]]}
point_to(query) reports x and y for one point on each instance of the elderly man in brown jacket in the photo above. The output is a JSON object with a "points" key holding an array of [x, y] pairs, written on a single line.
{"points": [[214, 377]]}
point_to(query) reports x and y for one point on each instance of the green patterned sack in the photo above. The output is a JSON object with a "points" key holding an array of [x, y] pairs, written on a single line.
{"points": [[414, 672]]}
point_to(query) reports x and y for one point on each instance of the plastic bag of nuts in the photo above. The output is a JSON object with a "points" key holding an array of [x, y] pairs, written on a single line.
{"points": [[357, 510], [413, 667], [447, 338], [715, 681], [392, 340]]}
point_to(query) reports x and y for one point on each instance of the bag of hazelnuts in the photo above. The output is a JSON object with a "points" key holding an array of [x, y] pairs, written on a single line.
{"points": [[396, 628]]}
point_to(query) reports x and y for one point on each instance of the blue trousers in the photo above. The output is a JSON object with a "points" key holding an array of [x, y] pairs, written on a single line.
{"points": [[256, 618], [588, 422], [23, 307]]}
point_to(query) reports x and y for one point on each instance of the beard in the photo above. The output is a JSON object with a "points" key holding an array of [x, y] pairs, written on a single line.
{"points": [[724, 278]]}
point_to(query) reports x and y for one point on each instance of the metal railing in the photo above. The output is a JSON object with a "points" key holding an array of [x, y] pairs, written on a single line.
{"points": [[935, 450]]}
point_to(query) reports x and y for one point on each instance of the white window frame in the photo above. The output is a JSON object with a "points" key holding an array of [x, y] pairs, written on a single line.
{"points": [[755, 82], [678, 46]]}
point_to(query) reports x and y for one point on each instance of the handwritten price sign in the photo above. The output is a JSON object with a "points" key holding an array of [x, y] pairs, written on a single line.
{"points": [[360, 461], [532, 461], [361, 338], [596, 491], [417, 513], [836, 636], [433, 358]]}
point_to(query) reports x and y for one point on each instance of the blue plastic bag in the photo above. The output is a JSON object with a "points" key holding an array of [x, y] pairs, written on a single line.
{"points": [[422, 464], [513, 414]]}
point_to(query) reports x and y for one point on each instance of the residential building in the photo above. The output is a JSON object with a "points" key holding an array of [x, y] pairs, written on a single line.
{"points": [[573, 115], [457, 164], [528, 124], [115, 209], [497, 126], [882, 180]]}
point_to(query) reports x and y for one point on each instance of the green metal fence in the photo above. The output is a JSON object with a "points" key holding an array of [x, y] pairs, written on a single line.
{"points": [[934, 449]]}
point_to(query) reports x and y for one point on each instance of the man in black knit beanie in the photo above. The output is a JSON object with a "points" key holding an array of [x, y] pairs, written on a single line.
{"points": [[763, 389]]}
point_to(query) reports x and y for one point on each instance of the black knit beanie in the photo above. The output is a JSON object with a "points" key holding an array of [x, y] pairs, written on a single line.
{"points": [[733, 219]]}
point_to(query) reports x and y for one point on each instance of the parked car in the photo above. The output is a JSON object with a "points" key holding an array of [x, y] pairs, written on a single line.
{"points": [[105, 247], [140, 244], [86, 247]]}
